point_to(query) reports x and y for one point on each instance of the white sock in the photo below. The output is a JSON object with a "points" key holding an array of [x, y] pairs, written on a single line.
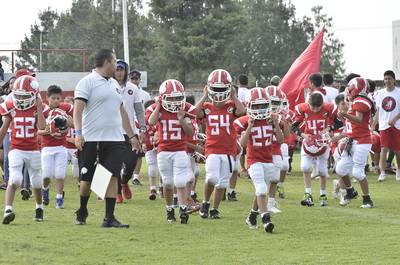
{"points": [[280, 184], [175, 196], [8, 207], [45, 188], [231, 190], [271, 200], [169, 207], [192, 192], [153, 187], [322, 192], [39, 206], [308, 190], [59, 196], [135, 176]]}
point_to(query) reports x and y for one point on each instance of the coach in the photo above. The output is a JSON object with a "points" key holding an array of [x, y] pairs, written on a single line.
{"points": [[99, 120]]}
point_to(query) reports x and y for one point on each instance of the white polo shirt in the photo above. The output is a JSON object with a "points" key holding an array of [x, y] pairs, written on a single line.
{"points": [[242, 92], [131, 95], [101, 119], [331, 94], [388, 104]]}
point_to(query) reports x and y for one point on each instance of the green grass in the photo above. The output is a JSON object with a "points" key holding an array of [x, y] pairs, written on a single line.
{"points": [[330, 235]]}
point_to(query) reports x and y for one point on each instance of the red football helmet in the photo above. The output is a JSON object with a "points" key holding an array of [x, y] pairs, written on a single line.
{"points": [[201, 138], [258, 104], [316, 144], [276, 97], [58, 121], [172, 95], [219, 85], [24, 94], [355, 87]]}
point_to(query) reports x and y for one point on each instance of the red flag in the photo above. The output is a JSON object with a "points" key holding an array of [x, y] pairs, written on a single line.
{"points": [[296, 79]]}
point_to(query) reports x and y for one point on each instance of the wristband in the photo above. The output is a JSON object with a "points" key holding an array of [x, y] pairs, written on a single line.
{"points": [[78, 132]]}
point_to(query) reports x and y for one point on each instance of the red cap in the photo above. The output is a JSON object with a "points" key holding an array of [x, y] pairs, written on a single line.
{"points": [[22, 72]]}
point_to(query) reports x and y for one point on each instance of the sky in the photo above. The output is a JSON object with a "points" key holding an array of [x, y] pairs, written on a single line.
{"points": [[364, 26]]}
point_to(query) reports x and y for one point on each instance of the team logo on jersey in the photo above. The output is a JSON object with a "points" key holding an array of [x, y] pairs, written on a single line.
{"points": [[130, 91], [388, 104], [230, 110], [207, 111]]}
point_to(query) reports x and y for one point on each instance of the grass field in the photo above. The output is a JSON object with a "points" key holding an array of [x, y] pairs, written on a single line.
{"points": [[317, 235]]}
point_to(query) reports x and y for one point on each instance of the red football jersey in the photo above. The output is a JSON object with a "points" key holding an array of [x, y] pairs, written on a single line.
{"points": [[193, 139], [149, 137], [23, 126], [315, 122], [220, 131], [70, 134], [360, 131], [171, 136], [48, 140], [260, 145]]}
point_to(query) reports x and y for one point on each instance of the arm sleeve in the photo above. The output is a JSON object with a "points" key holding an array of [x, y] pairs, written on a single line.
{"points": [[81, 90], [138, 106]]}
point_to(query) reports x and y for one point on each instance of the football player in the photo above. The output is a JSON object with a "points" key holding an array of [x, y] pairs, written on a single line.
{"points": [[24, 112], [317, 117], [261, 126], [54, 154], [220, 147], [170, 113], [357, 116], [70, 145]]}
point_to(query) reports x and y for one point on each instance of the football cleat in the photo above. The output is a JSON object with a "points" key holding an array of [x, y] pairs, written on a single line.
{"points": [[171, 215], [81, 216], [38, 215], [382, 177], [268, 225], [204, 209], [25, 194], [232, 196], [59, 203], [273, 207], [323, 200], [307, 200], [350, 194], [184, 216], [251, 220], [112, 222], [8, 217], [367, 202], [136, 182], [214, 214], [152, 195]]}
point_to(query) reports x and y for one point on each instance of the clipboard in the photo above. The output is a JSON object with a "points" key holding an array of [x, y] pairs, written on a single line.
{"points": [[101, 180]]}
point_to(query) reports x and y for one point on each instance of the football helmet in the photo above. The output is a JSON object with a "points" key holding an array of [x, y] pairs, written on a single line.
{"points": [[258, 104], [219, 85], [24, 94], [316, 144], [357, 86], [58, 121], [172, 95], [276, 97]]}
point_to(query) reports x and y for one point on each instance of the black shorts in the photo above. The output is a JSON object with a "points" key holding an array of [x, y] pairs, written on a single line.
{"points": [[109, 154]]}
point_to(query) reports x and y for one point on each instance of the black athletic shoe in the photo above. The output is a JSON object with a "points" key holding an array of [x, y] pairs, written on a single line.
{"points": [[38, 215], [350, 194], [171, 215], [232, 196], [112, 222], [175, 202], [251, 220], [205, 207], [81, 216], [307, 200], [268, 225], [194, 197], [25, 194], [9, 216], [214, 214], [184, 215], [136, 182], [367, 202]]}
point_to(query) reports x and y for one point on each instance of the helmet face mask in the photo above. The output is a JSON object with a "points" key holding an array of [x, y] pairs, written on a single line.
{"points": [[174, 102], [276, 105], [219, 85], [23, 100], [259, 110], [219, 94]]}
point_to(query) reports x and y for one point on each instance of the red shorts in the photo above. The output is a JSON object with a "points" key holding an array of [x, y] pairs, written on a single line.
{"points": [[376, 143], [390, 138]]}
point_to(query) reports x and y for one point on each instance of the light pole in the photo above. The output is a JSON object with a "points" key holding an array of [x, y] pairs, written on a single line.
{"points": [[125, 30]]}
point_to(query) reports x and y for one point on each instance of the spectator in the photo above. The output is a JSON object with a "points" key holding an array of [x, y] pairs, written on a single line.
{"points": [[242, 87], [275, 80], [1, 72]]}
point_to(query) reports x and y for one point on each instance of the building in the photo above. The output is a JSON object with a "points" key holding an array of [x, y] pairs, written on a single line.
{"points": [[396, 46]]}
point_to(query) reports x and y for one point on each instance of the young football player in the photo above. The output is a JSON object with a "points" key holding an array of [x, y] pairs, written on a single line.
{"points": [[220, 147], [357, 117], [70, 145], [261, 127], [25, 115], [54, 154], [317, 116], [170, 114]]}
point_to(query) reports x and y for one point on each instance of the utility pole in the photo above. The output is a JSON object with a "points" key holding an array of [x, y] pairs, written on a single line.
{"points": [[125, 29]]}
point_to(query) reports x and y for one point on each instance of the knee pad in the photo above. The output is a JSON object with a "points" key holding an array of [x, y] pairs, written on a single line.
{"points": [[181, 181], [15, 180], [305, 168], [358, 172], [261, 188], [222, 183], [213, 180], [152, 170], [36, 179], [168, 182], [276, 175], [285, 164]]}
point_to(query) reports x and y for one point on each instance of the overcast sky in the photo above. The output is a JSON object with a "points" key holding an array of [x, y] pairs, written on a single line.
{"points": [[364, 26]]}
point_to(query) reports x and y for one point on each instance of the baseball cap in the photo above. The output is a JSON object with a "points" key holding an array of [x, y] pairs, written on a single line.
{"points": [[23, 71], [122, 64]]}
